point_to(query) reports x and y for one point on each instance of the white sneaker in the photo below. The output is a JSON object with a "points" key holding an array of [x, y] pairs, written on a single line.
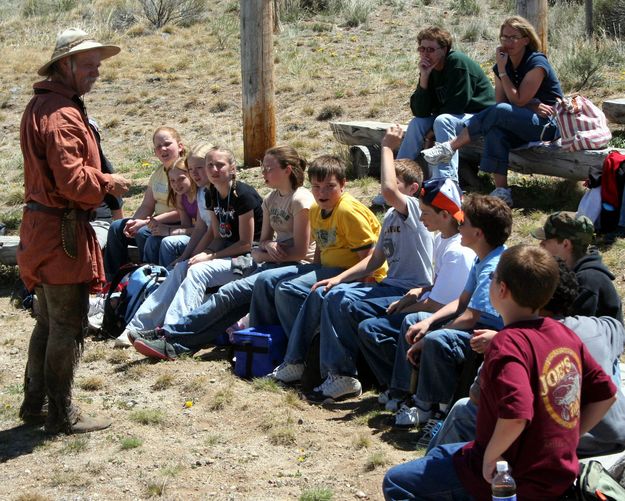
{"points": [[122, 341], [393, 404], [389, 402], [288, 373], [335, 388], [384, 397], [96, 305], [409, 417], [504, 193], [95, 320], [440, 153]]}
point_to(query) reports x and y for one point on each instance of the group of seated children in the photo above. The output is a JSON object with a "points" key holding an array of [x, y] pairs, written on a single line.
{"points": [[424, 311]]}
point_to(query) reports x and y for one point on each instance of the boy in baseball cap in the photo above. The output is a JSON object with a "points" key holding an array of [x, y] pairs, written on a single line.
{"points": [[568, 236]]}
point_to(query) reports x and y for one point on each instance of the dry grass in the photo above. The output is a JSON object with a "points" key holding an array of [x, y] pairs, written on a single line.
{"points": [[221, 399], [92, 383], [118, 357], [94, 354], [32, 496], [164, 381], [376, 460], [75, 446], [148, 417]]}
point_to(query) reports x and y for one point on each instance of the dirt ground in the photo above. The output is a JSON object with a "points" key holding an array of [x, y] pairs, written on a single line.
{"points": [[188, 430]]}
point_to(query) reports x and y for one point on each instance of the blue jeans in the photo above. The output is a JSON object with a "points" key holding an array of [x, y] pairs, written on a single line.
{"points": [[379, 340], [220, 310], [263, 304], [116, 250], [446, 127], [505, 127], [181, 293], [339, 325], [199, 278], [171, 249], [442, 356], [459, 425], [338, 341], [151, 249], [290, 298], [151, 314], [432, 477]]}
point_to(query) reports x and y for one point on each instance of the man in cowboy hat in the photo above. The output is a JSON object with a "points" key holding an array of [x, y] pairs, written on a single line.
{"points": [[59, 255]]}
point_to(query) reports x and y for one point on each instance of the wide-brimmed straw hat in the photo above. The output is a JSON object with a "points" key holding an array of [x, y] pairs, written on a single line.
{"points": [[74, 41]]}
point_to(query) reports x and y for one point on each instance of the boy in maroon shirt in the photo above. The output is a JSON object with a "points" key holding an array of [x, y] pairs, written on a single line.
{"points": [[540, 389]]}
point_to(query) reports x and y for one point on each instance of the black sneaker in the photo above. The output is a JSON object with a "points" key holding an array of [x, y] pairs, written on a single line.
{"points": [[151, 335], [430, 429], [157, 348]]}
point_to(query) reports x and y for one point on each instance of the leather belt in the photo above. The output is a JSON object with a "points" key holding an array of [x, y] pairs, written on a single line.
{"points": [[83, 215]]}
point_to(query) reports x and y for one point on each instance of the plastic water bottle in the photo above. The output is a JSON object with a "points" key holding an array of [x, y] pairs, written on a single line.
{"points": [[503, 485]]}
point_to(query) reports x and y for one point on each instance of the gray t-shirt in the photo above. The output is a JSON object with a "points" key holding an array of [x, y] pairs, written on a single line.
{"points": [[604, 338], [408, 247]]}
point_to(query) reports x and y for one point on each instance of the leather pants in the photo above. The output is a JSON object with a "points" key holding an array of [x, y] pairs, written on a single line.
{"points": [[53, 353]]}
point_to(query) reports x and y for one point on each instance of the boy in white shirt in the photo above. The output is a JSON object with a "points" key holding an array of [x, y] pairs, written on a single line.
{"points": [[380, 322]]}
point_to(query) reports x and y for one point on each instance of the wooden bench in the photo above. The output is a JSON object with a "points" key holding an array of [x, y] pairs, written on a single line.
{"points": [[546, 160], [614, 110], [8, 249], [9, 244]]}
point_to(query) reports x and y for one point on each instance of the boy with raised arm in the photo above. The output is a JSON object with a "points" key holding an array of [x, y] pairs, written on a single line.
{"points": [[405, 245]]}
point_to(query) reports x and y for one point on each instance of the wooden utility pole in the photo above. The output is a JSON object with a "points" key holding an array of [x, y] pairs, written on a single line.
{"points": [[259, 121], [536, 12], [588, 12]]}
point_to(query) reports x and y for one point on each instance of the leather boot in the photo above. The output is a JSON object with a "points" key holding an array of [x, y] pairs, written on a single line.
{"points": [[67, 312], [33, 409], [75, 422]]}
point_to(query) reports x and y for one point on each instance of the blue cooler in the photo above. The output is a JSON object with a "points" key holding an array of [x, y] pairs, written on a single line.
{"points": [[258, 350], [222, 340]]}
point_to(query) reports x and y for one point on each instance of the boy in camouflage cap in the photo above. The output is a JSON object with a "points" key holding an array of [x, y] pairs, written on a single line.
{"points": [[568, 236]]}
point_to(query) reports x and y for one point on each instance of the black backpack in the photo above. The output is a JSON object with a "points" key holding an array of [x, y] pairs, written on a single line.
{"points": [[130, 287]]}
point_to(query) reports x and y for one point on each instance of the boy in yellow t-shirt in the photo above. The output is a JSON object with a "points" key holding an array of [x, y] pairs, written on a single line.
{"points": [[345, 232]]}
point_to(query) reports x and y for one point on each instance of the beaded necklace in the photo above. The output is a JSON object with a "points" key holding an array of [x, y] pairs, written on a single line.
{"points": [[225, 230]]}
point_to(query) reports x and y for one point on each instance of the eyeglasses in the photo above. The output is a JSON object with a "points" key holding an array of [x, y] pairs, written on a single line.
{"points": [[264, 169], [427, 50], [513, 38]]}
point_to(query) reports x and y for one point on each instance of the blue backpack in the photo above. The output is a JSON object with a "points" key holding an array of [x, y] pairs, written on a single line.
{"points": [[136, 282]]}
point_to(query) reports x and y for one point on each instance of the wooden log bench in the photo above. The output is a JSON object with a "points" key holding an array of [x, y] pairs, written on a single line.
{"points": [[8, 249], [365, 137], [614, 110], [9, 244]]}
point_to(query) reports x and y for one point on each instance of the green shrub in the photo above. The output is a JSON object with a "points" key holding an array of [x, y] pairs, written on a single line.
{"points": [[32, 8], [224, 28], [180, 12], [355, 12], [317, 494], [147, 416], [130, 443], [291, 11], [329, 112], [608, 16], [466, 7], [582, 66]]}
